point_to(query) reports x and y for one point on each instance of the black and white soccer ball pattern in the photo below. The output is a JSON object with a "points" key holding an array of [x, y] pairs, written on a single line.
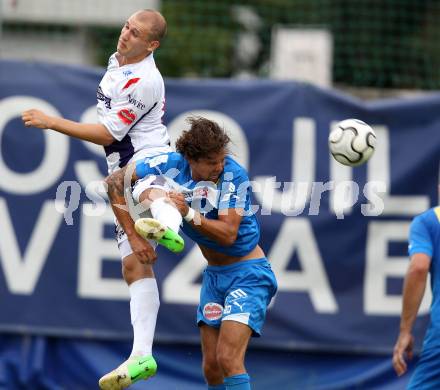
{"points": [[352, 142]]}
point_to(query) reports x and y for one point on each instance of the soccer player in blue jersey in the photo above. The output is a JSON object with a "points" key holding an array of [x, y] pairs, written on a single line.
{"points": [[212, 193], [424, 249]]}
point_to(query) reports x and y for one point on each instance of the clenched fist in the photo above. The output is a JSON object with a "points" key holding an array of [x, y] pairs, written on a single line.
{"points": [[35, 118]]}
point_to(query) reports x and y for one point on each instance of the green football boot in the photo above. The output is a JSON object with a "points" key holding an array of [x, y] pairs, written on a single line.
{"points": [[152, 229], [129, 372]]}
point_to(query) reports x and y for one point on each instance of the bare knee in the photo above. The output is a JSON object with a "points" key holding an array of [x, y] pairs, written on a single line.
{"points": [[133, 269], [212, 371], [230, 361], [150, 195]]}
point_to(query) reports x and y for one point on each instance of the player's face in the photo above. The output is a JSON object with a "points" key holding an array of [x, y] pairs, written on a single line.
{"points": [[134, 40], [208, 169]]}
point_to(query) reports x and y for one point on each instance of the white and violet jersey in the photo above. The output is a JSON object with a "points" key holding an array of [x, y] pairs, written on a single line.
{"points": [[131, 101]]}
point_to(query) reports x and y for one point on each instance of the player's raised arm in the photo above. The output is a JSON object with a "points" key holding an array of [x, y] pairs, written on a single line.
{"points": [[92, 132]]}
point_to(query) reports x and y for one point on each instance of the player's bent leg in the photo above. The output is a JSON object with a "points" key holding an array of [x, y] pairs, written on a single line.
{"points": [[133, 269], [211, 369], [165, 224], [231, 349], [155, 198], [129, 372], [152, 229]]}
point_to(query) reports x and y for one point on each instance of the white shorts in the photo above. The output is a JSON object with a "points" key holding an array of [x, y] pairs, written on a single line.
{"points": [[137, 189]]}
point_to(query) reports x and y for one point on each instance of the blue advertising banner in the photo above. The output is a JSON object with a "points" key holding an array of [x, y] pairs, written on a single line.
{"points": [[335, 235]]}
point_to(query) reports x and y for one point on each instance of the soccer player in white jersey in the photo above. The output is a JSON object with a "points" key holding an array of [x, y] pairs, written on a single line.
{"points": [[131, 98]]}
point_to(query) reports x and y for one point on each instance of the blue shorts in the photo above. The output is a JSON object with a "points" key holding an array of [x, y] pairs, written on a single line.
{"points": [[427, 372], [238, 292]]}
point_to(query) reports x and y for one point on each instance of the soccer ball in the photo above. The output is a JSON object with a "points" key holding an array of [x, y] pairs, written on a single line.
{"points": [[352, 142]]}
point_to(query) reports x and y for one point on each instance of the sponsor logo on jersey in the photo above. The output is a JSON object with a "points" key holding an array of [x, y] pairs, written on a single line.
{"points": [[137, 103], [212, 311], [127, 73], [127, 116], [131, 82], [100, 96], [197, 193], [200, 196], [239, 293]]}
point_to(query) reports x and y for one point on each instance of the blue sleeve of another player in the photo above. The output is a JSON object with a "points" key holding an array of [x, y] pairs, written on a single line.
{"points": [[419, 238], [234, 190], [157, 165]]}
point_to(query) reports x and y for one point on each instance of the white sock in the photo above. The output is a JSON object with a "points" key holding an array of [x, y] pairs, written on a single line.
{"points": [[166, 213], [144, 305]]}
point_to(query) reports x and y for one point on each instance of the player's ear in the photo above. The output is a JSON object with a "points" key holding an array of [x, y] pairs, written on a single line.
{"points": [[153, 45]]}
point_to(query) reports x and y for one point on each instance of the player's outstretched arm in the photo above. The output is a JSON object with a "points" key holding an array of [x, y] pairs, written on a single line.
{"points": [[116, 186], [413, 290], [92, 132]]}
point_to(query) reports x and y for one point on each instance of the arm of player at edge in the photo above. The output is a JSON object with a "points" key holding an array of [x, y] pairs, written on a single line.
{"points": [[413, 291], [116, 190], [92, 132]]}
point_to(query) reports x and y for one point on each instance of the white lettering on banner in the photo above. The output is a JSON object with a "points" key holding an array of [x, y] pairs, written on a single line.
{"points": [[55, 154], [294, 198], [380, 266], [64, 205], [346, 194], [296, 235], [94, 249], [88, 171], [375, 207], [318, 188], [96, 191], [339, 173], [179, 286], [23, 272], [90, 115], [239, 146], [302, 169], [264, 191], [379, 170]]}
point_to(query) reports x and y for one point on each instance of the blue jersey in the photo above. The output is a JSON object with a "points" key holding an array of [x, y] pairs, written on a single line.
{"points": [[232, 191], [425, 238]]}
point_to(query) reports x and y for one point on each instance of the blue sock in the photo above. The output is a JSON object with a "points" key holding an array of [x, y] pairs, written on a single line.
{"points": [[217, 387], [238, 382]]}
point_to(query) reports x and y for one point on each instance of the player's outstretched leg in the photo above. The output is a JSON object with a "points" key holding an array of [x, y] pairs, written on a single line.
{"points": [[129, 372], [152, 229]]}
